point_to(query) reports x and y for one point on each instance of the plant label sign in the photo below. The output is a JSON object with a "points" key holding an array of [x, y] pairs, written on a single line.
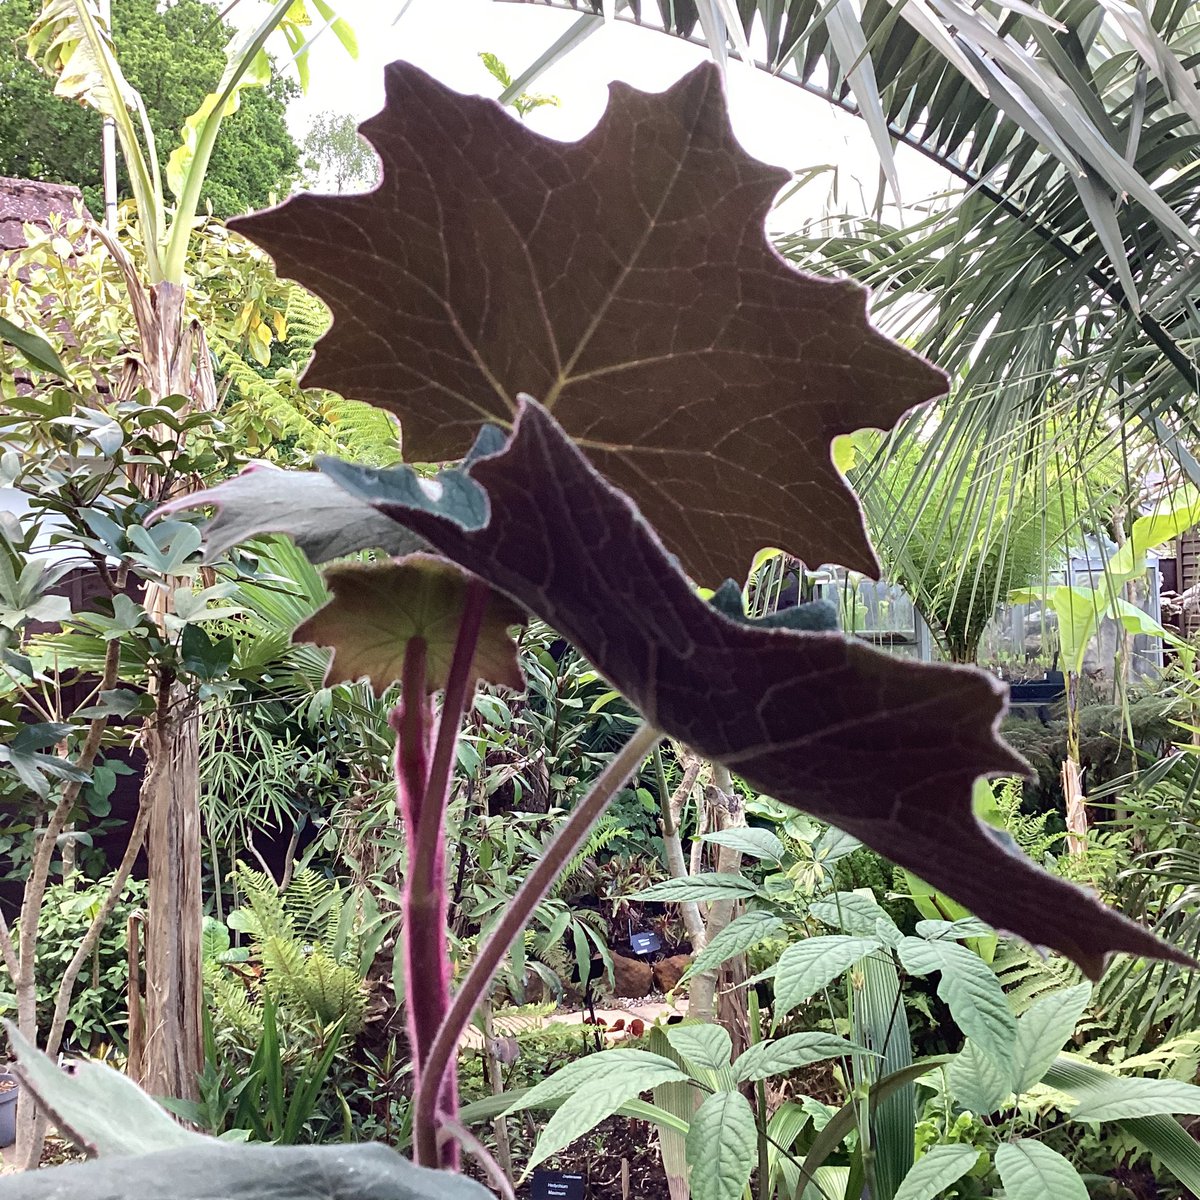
{"points": [[556, 1185], [645, 943]]}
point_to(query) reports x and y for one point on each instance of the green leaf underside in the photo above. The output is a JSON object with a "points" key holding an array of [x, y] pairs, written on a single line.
{"points": [[789, 1054], [100, 1109], [704, 1047], [722, 1147], [707, 885], [322, 519], [1127, 1098], [978, 1083], [856, 913], [473, 273], [1042, 1031], [806, 967], [377, 610], [935, 1171], [593, 1101], [969, 986], [741, 934], [1030, 1170], [755, 843], [594, 1070], [215, 1170], [884, 748]]}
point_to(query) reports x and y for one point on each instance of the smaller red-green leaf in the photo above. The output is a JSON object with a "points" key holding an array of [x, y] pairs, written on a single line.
{"points": [[377, 610]]}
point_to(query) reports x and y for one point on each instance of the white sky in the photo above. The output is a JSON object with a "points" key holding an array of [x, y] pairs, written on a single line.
{"points": [[774, 120]]}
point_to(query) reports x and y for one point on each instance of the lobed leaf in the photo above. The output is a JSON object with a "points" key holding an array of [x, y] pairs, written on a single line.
{"points": [[884, 748], [627, 280]]}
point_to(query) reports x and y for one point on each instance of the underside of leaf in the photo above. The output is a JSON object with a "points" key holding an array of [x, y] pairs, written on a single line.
{"points": [[377, 610], [627, 281], [885, 748]]}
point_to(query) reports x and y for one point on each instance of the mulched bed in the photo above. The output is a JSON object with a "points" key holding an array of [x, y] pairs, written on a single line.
{"points": [[598, 1158]]}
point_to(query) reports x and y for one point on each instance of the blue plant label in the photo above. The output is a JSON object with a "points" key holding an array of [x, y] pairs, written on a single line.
{"points": [[645, 943], [556, 1185]]}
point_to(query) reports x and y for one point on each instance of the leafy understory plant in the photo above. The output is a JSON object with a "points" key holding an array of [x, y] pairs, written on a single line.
{"points": [[645, 394], [1009, 1066]]}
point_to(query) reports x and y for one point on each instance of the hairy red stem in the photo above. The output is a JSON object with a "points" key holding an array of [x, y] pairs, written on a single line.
{"points": [[426, 971], [424, 786], [570, 836]]}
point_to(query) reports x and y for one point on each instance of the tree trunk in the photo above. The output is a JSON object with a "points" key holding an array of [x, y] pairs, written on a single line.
{"points": [[725, 811], [175, 362], [174, 1037]]}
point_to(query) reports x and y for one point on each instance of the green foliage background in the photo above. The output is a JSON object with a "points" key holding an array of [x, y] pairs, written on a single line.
{"points": [[174, 58]]}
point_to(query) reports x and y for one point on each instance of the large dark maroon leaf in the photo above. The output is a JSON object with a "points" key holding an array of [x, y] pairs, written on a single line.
{"points": [[624, 279], [884, 748]]}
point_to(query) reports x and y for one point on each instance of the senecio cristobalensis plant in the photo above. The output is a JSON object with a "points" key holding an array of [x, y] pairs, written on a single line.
{"points": [[642, 394]]}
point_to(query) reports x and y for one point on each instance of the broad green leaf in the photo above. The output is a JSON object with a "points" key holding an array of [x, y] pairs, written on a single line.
{"points": [[794, 358], [844, 452], [597, 1070], [741, 934], [977, 1082], [1030, 1170], [790, 1053], [100, 1109], [490, 1107], [1174, 514], [1127, 1097], [708, 885], [1042, 1031], [702, 1046], [806, 967], [215, 1168], [1078, 610], [376, 611], [722, 1147], [971, 989], [1164, 1137], [595, 1099], [935, 1171], [857, 913], [36, 350], [751, 841]]}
